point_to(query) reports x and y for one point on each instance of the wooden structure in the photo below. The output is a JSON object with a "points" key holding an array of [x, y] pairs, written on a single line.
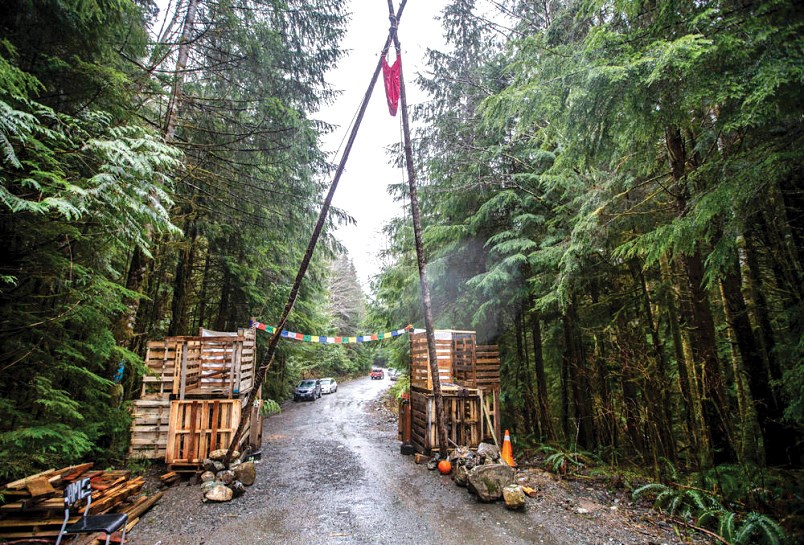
{"points": [[191, 400], [470, 387]]}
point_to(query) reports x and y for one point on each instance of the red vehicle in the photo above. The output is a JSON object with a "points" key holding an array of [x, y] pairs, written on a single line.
{"points": [[377, 374]]}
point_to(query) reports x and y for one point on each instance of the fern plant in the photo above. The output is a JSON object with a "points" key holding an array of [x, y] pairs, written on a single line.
{"points": [[685, 502]]}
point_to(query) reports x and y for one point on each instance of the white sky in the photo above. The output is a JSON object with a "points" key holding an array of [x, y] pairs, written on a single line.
{"points": [[362, 190]]}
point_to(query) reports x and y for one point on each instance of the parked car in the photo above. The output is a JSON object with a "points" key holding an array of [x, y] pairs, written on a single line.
{"points": [[377, 374], [328, 385], [308, 389], [393, 374]]}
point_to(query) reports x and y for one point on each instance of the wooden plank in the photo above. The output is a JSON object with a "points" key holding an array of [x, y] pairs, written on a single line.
{"points": [[23, 483], [40, 488]]}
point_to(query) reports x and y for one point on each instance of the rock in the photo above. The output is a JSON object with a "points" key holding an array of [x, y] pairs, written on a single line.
{"points": [[208, 485], [514, 497], [488, 481], [488, 451], [238, 488], [226, 476], [207, 476], [220, 454], [460, 453], [460, 475], [208, 465], [246, 473], [432, 464], [219, 493]]}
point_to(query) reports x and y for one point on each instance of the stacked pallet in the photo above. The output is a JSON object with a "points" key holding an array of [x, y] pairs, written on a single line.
{"points": [[192, 398], [469, 375], [33, 507]]}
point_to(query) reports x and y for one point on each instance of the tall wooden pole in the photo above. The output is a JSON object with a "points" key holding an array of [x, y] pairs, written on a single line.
{"points": [[259, 378], [420, 256]]}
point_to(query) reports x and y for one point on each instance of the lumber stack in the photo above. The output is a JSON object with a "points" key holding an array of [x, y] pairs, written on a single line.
{"points": [[33, 507]]}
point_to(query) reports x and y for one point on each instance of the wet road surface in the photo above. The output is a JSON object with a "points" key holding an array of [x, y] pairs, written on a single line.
{"points": [[331, 473]]}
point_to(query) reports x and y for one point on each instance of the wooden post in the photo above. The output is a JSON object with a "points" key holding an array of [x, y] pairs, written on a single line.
{"points": [[421, 258], [259, 376], [183, 376]]}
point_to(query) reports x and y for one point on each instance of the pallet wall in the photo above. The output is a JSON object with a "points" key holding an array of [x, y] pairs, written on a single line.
{"points": [[471, 415], [204, 371]]}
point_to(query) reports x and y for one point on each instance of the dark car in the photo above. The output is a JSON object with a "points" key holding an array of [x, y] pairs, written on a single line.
{"points": [[377, 374], [307, 389]]}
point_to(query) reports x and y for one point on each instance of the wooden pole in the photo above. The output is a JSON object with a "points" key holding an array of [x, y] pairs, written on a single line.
{"points": [[420, 256], [259, 378]]}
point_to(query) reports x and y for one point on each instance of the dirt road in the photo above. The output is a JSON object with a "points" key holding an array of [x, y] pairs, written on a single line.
{"points": [[331, 473]]}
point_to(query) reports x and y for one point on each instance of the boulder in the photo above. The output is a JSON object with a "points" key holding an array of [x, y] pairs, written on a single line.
{"points": [[226, 476], [220, 454], [460, 475], [219, 493], [488, 481], [488, 451], [246, 473], [514, 497], [238, 488], [206, 486], [207, 476]]}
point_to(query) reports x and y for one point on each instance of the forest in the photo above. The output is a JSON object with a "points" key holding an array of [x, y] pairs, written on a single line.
{"points": [[611, 190]]}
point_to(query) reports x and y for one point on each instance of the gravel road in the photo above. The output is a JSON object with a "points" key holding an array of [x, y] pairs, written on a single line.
{"points": [[331, 473]]}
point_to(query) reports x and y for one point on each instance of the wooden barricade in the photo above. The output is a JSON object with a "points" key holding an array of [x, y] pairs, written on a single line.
{"points": [[484, 369], [471, 415], [150, 428], [208, 368], [420, 361], [200, 426], [470, 383]]}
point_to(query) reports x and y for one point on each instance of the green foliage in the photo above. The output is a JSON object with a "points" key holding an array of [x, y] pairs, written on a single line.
{"points": [[269, 407], [709, 511], [684, 502], [563, 462]]}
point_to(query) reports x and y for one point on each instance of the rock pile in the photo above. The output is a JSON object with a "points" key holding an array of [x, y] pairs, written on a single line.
{"points": [[219, 483], [486, 475]]}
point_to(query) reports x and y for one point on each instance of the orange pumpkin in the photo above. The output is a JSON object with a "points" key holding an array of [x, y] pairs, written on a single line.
{"points": [[444, 466]]}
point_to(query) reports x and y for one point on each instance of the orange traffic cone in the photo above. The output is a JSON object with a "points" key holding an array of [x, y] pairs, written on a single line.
{"points": [[507, 452]]}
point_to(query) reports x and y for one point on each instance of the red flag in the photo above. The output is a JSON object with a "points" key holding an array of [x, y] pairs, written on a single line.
{"points": [[390, 74]]}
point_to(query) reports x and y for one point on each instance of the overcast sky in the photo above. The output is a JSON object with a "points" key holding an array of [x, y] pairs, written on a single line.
{"points": [[362, 190]]}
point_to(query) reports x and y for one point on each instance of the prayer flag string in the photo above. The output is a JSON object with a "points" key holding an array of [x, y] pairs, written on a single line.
{"points": [[324, 339]]}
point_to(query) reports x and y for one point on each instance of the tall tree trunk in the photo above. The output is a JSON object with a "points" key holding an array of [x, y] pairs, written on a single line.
{"points": [[779, 442], [581, 392], [202, 297], [684, 364], [660, 396], [701, 322], [548, 433], [139, 261], [421, 258], [182, 284]]}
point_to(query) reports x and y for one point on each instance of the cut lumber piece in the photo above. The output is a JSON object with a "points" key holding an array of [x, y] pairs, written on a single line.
{"points": [[143, 505], [71, 473], [22, 483], [40, 488]]}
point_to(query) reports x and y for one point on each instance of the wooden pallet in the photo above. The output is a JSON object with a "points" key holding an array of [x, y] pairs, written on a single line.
{"points": [[471, 415], [28, 516]]}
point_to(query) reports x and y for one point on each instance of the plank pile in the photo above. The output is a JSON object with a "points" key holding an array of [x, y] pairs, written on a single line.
{"points": [[33, 507]]}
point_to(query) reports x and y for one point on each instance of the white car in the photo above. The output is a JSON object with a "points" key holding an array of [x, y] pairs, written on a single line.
{"points": [[328, 385]]}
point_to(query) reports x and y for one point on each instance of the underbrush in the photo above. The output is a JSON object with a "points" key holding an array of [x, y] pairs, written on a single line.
{"points": [[740, 504]]}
